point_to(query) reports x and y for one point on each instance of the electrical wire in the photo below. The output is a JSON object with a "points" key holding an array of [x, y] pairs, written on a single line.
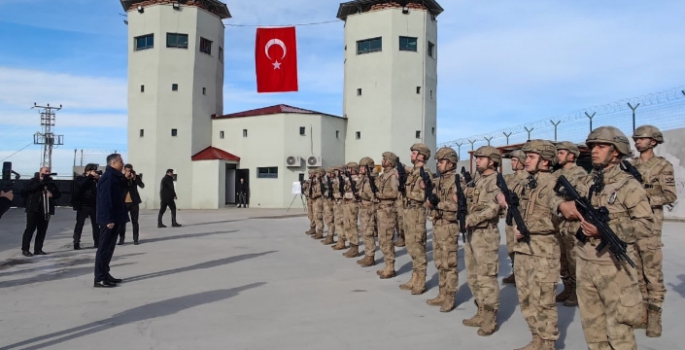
{"points": [[13, 154]]}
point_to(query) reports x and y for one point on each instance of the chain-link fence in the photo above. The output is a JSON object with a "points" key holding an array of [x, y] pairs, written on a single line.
{"points": [[665, 110]]}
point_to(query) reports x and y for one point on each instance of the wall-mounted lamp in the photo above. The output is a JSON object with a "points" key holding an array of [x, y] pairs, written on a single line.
{"points": [[405, 10], [140, 9], [177, 6]]}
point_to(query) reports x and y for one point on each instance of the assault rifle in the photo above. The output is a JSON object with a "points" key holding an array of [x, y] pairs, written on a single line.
{"points": [[428, 188], [341, 184], [323, 188], [630, 168], [598, 217], [402, 177], [372, 181], [330, 187], [513, 213], [466, 175], [461, 207], [311, 187], [352, 184]]}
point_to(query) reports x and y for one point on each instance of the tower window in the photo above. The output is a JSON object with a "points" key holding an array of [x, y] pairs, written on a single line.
{"points": [[221, 134], [205, 46], [431, 49], [142, 88], [359, 92], [302, 130], [177, 40], [418, 134], [431, 93], [337, 134], [204, 91], [359, 135], [142, 132], [174, 87], [369, 45], [221, 54], [408, 43], [418, 90], [433, 130], [144, 42], [244, 132], [174, 132], [267, 173]]}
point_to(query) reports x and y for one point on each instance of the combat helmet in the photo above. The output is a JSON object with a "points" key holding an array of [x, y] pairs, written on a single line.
{"points": [[367, 161], [610, 135], [448, 154], [422, 149], [352, 166], [390, 157], [568, 146], [545, 149], [489, 152], [518, 154], [650, 132]]}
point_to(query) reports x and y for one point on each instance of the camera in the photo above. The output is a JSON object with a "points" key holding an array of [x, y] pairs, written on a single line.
{"points": [[99, 172], [7, 172]]}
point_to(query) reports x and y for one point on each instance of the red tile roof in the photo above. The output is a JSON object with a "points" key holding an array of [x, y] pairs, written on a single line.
{"points": [[277, 109], [213, 153]]}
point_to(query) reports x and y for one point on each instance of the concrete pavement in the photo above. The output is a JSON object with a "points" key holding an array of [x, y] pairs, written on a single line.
{"points": [[251, 279]]}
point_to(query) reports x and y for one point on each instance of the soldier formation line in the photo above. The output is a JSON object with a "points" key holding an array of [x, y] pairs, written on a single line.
{"points": [[589, 233]]}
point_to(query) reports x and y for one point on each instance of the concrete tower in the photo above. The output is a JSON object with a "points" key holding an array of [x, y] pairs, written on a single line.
{"points": [[175, 85], [390, 76]]}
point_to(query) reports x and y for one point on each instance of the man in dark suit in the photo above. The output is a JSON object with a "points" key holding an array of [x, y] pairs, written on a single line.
{"points": [[167, 195], [84, 201], [112, 218], [41, 193], [132, 200], [243, 192]]}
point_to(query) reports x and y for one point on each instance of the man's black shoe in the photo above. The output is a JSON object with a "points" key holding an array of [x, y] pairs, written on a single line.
{"points": [[77, 246], [113, 280], [176, 225], [26, 253], [120, 243], [104, 284], [135, 243], [161, 226], [40, 252]]}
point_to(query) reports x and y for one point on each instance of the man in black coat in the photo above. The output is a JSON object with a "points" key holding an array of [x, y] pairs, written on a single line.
{"points": [[243, 192], [167, 195], [41, 193], [84, 201], [112, 218], [132, 200]]}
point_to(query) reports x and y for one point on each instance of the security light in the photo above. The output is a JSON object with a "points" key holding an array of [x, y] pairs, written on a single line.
{"points": [[405, 10], [177, 6], [140, 9]]}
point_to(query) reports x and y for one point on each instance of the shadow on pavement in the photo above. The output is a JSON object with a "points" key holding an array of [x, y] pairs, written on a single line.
{"points": [[210, 223], [680, 289], [566, 316], [145, 312], [61, 264], [183, 236], [53, 276]]}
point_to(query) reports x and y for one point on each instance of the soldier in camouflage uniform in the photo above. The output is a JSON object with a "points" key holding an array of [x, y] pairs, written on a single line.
{"points": [[445, 229], [415, 219], [386, 213], [537, 262], [351, 209], [367, 211], [316, 190], [329, 205], [483, 238], [608, 292], [307, 190], [658, 180], [567, 155], [338, 214], [518, 165]]}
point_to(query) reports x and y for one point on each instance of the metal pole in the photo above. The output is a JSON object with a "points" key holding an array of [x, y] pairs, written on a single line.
{"points": [[472, 142], [633, 108], [555, 128], [459, 148], [507, 136], [590, 117], [528, 130], [488, 139], [81, 156]]}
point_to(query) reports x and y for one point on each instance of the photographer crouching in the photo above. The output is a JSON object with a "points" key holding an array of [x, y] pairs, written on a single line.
{"points": [[83, 201], [133, 181], [41, 193]]}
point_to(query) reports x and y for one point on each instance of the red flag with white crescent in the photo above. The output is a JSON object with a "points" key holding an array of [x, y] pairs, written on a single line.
{"points": [[276, 59]]}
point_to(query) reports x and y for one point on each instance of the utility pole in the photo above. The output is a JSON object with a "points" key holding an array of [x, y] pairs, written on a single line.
{"points": [[47, 138]]}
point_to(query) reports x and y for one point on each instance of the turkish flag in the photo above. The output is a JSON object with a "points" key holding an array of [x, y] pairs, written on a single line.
{"points": [[276, 59]]}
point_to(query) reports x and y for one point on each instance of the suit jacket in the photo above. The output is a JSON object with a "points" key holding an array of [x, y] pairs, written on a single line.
{"points": [[132, 188], [110, 208], [34, 195], [167, 191]]}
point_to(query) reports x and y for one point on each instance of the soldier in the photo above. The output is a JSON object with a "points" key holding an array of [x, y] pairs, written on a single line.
{"points": [[308, 190], [658, 179], [608, 291], [317, 191], [399, 228], [386, 213], [328, 206], [338, 212], [445, 230], [351, 209], [537, 262], [518, 165], [367, 210], [415, 218], [567, 155], [482, 245]]}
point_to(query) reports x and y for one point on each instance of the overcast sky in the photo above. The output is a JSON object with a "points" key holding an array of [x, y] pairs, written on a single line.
{"points": [[501, 63]]}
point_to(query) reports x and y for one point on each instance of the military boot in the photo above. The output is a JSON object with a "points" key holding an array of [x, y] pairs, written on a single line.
{"points": [[368, 260], [547, 345], [311, 231], [388, 271], [437, 301], [448, 303], [476, 320], [318, 235], [572, 300], [653, 321], [489, 324], [329, 239], [535, 344], [511, 279], [410, 284], [565, 294], [400, 241], [353, 252], [419, 284], [340, 245], [645, 317]]}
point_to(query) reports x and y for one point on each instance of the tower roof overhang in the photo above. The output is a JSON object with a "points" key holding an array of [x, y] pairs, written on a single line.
{"points": [[214, 6], [359, 6]]}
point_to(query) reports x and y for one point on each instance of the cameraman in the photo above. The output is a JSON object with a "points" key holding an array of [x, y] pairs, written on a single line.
{"points": [[133, 181], [5, 201], [41, 193], [85, 197]]}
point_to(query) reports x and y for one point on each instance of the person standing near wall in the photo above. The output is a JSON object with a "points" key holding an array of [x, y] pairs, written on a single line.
{"points": [[167, 195], [243, 192], [132, 200], [83, 201]]}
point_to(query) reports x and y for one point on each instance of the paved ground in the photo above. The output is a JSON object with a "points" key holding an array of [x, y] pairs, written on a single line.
{"points": [[251, 279]]}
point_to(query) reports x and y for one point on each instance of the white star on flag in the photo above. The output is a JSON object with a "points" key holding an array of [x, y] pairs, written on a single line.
{"points": [[277, 65]]}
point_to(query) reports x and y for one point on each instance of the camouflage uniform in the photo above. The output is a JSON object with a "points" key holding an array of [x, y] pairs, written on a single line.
{"points": [[317, 202], [415, 224], [338, 212], [658, 180], [386, 214], [446, 233], [307, 190], [567, 230], [482, 246], [537, 262], [399, 228], [329, 206], [512, 181], [351, 210], [367, 213], [608, 292]]}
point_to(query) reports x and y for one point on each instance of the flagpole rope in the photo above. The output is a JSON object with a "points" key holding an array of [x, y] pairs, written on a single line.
{"points": [[281, 25]]}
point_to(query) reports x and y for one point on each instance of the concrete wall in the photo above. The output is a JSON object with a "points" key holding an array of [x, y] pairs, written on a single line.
{"points": [[209, 184], [389, 111], [273, 138], [158, 109]]}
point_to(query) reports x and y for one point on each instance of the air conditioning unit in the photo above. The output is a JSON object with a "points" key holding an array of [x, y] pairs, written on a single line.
{"points": [[313, 161], [293, 161]]}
